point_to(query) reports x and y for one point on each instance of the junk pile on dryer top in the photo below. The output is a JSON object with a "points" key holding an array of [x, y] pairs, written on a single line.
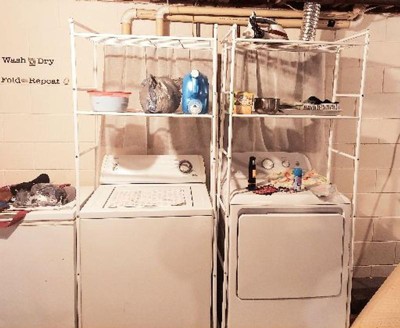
{"points": [[45, 194], [37, 193], [8, 192]]}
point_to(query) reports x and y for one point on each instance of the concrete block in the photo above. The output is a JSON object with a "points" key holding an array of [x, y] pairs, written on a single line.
{"points": [[345, 131], [1, 128], [393, 29], [388, 180], [18, 176], [381, 54], [382, 270], [391, 82], [343, 178], [45, 128], [63, 158], [87, 177], [58, 100], [378, 204], [17, 156], [372, 130], [20, 128], [56, 176], [374, 80], [387, 229], [87, 129], [363, 229], [379, 156], [372, 253], [361, 272], [350, 80], [14, 17], [15, 98], [385, 105]]}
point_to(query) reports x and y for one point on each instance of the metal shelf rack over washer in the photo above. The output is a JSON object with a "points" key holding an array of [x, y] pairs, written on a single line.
{"points": [[231, 44], [150, 41]]}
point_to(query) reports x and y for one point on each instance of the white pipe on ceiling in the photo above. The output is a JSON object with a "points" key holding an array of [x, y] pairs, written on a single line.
{"points": [[226, 16]]}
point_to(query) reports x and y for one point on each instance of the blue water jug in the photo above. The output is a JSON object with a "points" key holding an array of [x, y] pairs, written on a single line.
{"points": [[195, 93]]}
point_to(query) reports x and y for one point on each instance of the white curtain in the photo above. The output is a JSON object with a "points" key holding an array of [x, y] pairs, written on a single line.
{"points": [[290, 76]]}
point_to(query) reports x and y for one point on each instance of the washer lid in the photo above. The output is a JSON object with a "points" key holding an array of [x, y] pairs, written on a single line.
{"points": [[124, 169], [111, 201]]}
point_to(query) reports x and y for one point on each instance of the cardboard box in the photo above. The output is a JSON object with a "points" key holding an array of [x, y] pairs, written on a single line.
{"points": [[243, 102]]}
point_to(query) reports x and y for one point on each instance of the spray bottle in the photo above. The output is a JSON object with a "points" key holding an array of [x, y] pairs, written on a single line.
{"points": [[297, 177]]}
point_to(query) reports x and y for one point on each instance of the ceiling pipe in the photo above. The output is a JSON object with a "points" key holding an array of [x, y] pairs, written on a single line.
{"points": [[226, 16], [126, 21]]}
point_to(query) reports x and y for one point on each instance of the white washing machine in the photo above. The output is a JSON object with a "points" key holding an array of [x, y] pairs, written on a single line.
{"points": [[288, 254], [147, 246], [37, 271]]}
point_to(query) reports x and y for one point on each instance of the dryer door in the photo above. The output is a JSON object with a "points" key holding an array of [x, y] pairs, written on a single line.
{"points": [[289, 255]]}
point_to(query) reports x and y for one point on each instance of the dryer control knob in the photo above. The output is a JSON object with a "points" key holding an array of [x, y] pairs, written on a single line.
{"points": [[285, 163], [185, 166], [267, 164]]}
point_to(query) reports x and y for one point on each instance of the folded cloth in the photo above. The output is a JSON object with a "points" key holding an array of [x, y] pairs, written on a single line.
{"points": [[5, 194]]}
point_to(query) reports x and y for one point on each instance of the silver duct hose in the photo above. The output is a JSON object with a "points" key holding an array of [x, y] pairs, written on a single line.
{"points": [[311, 13]]}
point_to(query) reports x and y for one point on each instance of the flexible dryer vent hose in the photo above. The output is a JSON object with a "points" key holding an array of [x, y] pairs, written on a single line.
{"points": [[310, 21]]}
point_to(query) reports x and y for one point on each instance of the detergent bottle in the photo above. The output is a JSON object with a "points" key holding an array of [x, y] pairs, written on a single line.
{"points": [[195, 93]]}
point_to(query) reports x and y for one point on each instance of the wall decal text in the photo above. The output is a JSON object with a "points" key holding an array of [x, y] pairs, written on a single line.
{"points": [[31, 61]]}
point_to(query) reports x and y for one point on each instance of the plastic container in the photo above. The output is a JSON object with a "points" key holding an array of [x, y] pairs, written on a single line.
{"points": [[195, 93], [109, 101]]}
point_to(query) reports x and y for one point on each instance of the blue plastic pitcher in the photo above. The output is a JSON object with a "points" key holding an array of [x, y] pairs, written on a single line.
{"points": [[195, 93]]}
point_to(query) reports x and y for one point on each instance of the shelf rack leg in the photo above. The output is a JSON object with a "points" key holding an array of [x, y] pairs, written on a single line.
{"points": [[74, 82], [356, 165], [229, 171], [213, 170], [332, 124]]}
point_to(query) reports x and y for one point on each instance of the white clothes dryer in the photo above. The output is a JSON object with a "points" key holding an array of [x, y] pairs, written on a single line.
{"points": [[288, 254], [37, 274], [147, 246]]}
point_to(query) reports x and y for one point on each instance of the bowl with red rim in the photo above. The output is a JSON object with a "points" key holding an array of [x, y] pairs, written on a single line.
{"points": [[109, 101]]}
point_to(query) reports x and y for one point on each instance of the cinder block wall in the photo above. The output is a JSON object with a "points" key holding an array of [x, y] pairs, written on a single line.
{"points": [[377, 235], [36, 131]]}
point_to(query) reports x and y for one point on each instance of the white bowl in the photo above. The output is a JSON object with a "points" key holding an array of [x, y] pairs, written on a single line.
{"points": [[109, 101]]}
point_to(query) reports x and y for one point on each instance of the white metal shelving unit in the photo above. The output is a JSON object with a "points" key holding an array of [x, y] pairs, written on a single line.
{"points": [[145, 41], [232, 44]]}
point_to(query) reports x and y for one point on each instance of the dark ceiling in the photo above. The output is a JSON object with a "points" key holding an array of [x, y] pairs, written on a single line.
{"points": [[372, 6]]}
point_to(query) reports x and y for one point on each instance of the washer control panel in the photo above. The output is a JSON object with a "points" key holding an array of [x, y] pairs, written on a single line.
{"points": [[126, 169]]}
